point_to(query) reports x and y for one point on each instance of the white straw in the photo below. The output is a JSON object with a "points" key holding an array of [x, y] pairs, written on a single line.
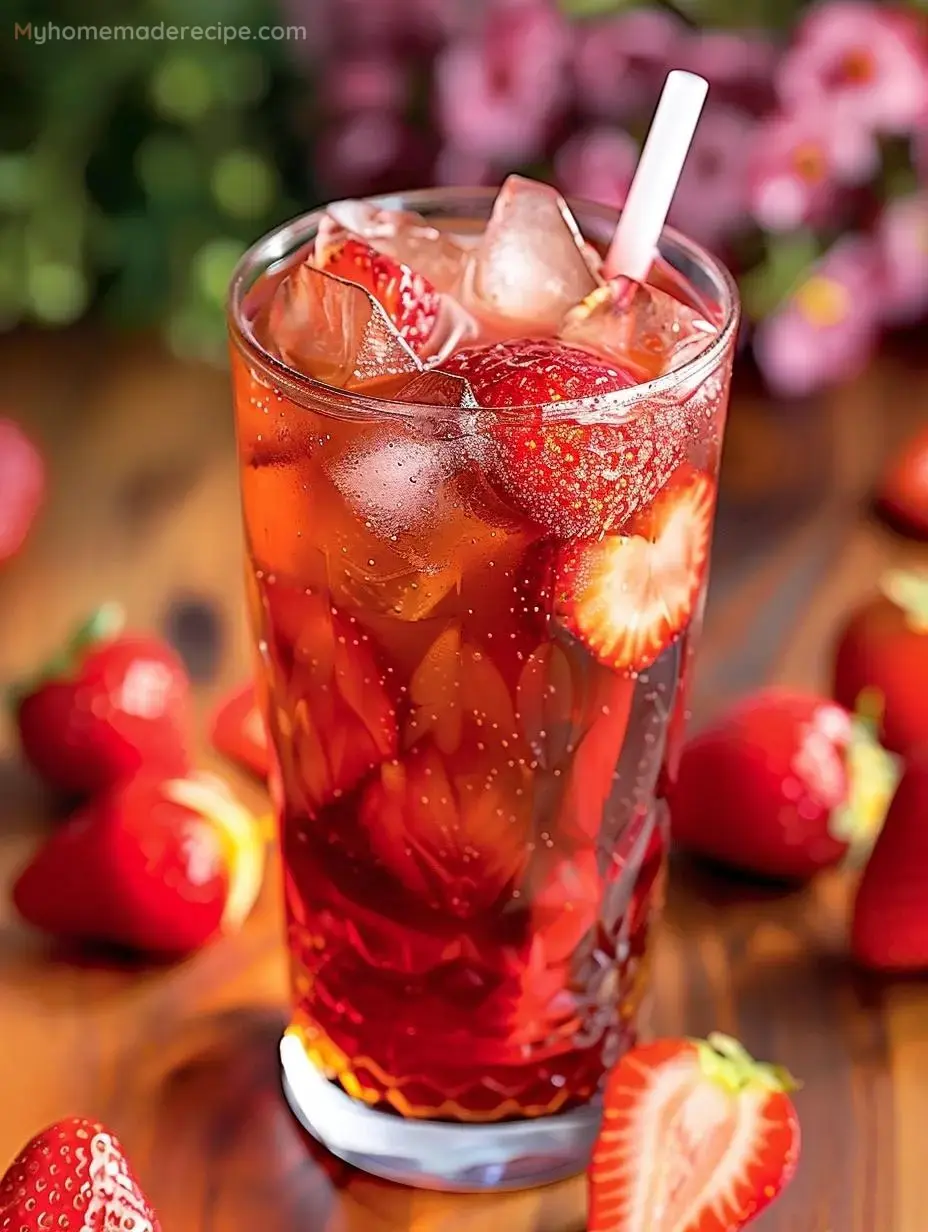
{"points": [[635, 241]]}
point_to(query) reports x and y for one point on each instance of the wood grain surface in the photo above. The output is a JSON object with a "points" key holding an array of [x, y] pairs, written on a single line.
{"points": [[181, 1060]]}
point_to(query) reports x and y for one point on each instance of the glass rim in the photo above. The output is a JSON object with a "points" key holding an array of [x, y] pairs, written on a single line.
{"points": [[290, 235]]}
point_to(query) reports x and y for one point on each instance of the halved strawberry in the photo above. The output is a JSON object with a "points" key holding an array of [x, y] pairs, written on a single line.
{"points": [[627, 597], [409, 300], [696, 1137], [570, 477]]}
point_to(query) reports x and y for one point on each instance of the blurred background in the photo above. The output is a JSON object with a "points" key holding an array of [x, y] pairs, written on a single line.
{"points": [[136, 168]]}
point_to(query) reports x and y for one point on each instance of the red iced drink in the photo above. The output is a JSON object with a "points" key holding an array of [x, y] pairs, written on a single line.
{"points": [[478, 484]]}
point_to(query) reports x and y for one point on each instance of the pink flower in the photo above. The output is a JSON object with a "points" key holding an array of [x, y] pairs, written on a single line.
{"points": [[597, 163], [621, 64], [370, 152], [863, 61], [799, 161], [902, 241], [339, 26], [496, 96], [739, 67], [712, 197], [828, 328], [335, 25], [454, 166], [364, 83]]}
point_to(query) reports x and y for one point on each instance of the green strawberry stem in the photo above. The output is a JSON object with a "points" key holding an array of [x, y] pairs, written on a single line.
{"points": [[908, 590], [105, 624], [873, 775], [868, 712], [725, 1061]]}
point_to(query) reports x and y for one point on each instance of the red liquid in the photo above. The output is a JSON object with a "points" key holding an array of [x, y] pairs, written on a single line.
{"points": [[467, 796]]}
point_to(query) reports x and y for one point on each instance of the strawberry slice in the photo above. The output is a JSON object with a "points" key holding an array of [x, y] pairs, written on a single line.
{"points": [[237, 731], [627, 597], [572, 478], [409, 300], [696, 1137]]}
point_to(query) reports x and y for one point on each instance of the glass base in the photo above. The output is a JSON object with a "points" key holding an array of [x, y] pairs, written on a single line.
{"points": [[436, 1154]]}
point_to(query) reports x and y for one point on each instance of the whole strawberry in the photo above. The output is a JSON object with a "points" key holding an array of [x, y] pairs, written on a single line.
{"points": [[781, 786], [22, 487], [903, 492], [73, 1177], [573, 478], [108, 705], [155, 866], [238, 731], [889, 930], [882, 652]]}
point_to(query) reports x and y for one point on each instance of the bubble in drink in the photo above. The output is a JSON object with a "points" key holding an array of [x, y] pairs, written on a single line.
{"points": [[531, 264], [336, 332], [641, 326], [455, 685]]}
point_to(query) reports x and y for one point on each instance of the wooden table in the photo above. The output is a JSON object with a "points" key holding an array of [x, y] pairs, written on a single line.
{"points": [[182, 1061]]}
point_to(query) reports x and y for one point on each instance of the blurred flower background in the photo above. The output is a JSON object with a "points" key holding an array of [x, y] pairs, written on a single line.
{"points": [[137, 171]]}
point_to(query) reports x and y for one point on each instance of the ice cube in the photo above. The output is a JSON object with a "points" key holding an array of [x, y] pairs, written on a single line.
{"points": [[454, 327], [436, 388], [400, 234], [663, 276], [638, 326], [393, 480], [369, 567], [530, 265], [335, 331]]}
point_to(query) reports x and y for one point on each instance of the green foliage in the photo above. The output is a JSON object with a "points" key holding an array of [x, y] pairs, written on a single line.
{"points": [[136, 170], [781, 269]]}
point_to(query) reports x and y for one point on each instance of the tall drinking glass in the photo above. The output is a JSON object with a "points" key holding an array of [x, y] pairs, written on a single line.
{"points": [[468, 791]]}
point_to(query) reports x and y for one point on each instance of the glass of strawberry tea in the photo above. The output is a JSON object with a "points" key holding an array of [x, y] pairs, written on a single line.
{"points": [[478, 480]]}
